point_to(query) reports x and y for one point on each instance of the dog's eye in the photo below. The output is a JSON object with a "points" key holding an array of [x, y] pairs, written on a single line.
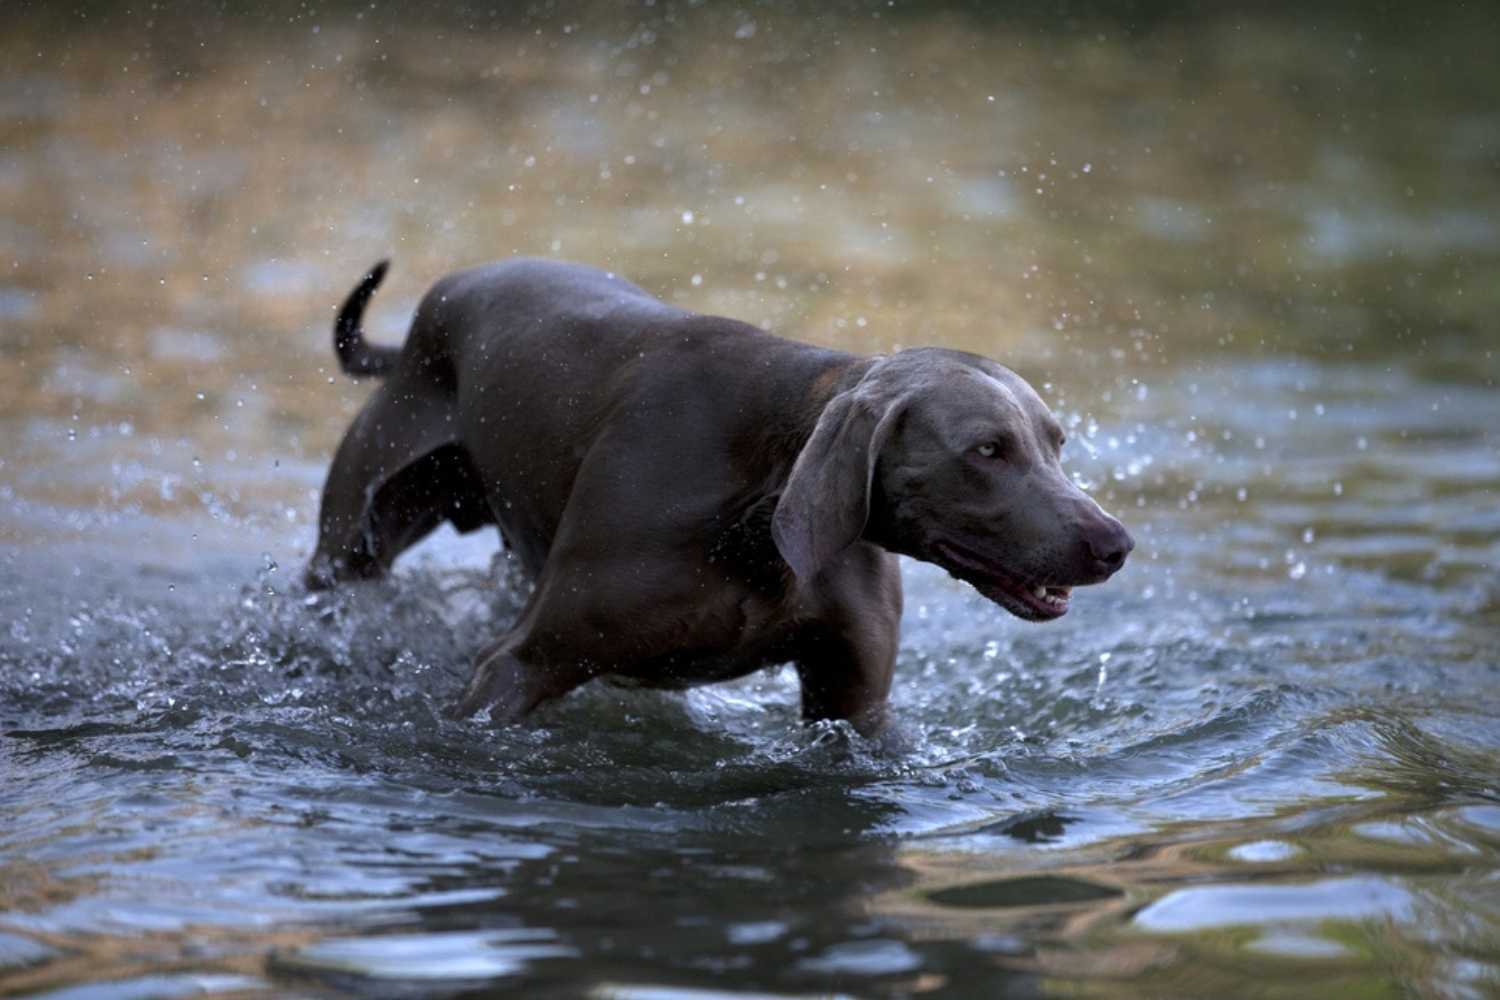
{"points": [[988, 450]]}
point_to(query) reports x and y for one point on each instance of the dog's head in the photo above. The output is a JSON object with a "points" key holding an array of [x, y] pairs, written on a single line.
{"points": [[953, 459]]}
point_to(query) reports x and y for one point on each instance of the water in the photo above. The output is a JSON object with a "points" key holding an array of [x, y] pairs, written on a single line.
{"points": [[1263, 758]]}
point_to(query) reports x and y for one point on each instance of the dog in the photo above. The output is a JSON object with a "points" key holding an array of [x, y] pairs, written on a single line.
{"points": [[695, 498]]}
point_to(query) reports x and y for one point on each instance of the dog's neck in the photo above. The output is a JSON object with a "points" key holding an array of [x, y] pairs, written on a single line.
{"points": [[836, 378], [778, 433]]}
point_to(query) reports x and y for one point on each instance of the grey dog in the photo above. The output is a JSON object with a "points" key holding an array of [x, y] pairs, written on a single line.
{"points": [[695, 498]]}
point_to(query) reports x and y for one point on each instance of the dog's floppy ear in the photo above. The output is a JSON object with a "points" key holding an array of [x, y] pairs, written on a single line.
{"points": [[826, 501]]}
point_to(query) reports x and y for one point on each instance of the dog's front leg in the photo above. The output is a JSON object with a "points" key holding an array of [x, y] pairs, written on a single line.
{"points": [[847, 653], [848, 677], [501, 682], [511, 679]]}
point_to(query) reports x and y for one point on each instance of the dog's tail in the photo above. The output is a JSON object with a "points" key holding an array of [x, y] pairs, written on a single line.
{"points": [[357, 356]]}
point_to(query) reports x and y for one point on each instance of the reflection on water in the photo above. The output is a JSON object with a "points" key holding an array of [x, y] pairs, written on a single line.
{"points": [[1249, 261], [1332, 899]]}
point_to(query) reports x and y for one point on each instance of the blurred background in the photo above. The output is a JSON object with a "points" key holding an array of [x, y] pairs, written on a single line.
{"points": [[1249, 253], [1097, 195]]}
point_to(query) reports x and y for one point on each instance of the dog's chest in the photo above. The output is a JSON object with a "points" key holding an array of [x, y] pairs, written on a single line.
{"points": [[733, 633]]}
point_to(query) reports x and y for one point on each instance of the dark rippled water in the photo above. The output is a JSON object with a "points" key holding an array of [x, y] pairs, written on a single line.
{"points": [[1263, 760]]}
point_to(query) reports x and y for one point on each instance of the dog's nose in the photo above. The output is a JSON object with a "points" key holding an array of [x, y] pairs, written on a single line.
{"points": [[1109, 544]]}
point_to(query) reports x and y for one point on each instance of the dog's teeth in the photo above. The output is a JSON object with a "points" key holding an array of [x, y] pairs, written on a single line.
{"points": [[1040, 591]]}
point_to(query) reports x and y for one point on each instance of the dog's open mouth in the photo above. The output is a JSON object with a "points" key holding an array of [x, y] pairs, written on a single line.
{"points": [[1037, 602]]}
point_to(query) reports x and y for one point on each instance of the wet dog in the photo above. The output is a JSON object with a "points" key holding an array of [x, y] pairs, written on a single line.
{"points": [[694, 497]]}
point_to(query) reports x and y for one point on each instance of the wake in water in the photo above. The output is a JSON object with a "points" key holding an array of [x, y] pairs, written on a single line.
{"points": [[1124, 702]]}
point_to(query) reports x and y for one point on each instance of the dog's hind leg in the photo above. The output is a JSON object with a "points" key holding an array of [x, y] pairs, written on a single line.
{"points": [[398, 474]]}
